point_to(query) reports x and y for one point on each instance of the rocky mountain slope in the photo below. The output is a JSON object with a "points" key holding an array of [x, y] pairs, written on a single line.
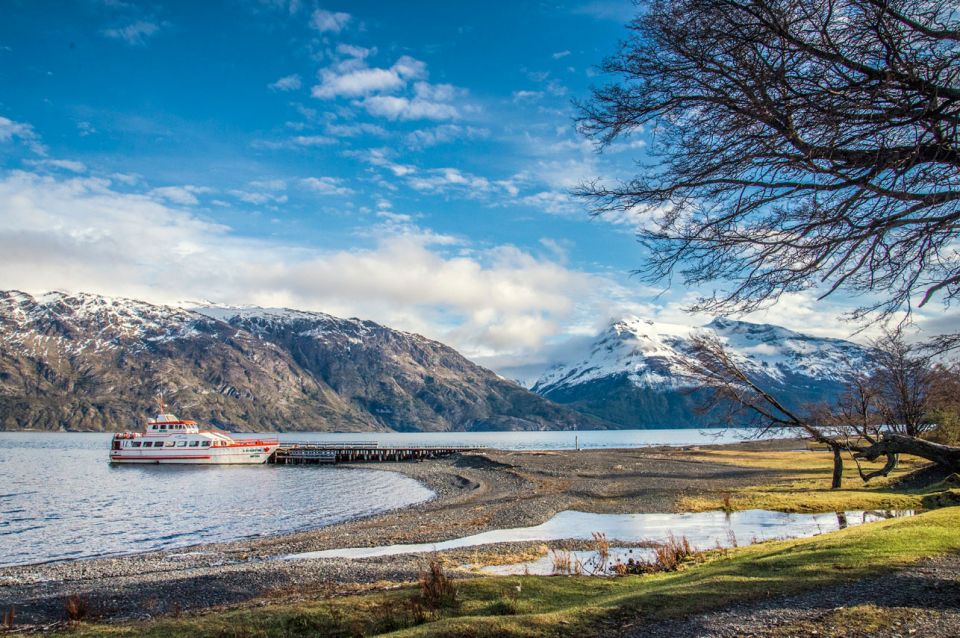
{"points": [[87, 362], [631, 375]]}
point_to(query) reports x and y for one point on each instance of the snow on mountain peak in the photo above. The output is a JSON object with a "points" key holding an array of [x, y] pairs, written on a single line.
{"points": [[651, 354], [73, 322]]}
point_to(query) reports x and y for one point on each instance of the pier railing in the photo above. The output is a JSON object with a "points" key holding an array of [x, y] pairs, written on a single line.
{"points": [[312, 452]]}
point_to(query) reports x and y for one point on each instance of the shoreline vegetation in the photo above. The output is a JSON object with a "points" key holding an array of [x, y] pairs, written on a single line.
{"points": [[236, 589]]}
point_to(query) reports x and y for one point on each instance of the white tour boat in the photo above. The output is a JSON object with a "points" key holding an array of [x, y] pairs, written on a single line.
{"points": [[167, 439]]}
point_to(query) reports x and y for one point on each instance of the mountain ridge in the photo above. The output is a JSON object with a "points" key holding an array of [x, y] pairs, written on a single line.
{"points": [[632, 375], [90, 362]]}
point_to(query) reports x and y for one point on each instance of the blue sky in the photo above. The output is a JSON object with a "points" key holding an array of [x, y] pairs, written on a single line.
{"points": [[406, 162]]}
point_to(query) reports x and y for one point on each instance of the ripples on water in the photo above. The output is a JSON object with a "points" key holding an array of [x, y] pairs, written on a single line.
{"points": [[61, 499]]}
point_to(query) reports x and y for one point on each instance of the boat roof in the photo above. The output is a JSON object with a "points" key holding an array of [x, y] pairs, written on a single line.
{"points": [[169, 419]]}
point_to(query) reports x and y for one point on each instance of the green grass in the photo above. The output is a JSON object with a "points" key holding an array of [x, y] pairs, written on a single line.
{"points": [[572, 606], [804, 485]]}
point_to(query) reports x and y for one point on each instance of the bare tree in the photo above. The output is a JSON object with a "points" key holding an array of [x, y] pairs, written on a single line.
{"points": [[881, 415], [798, 144]]}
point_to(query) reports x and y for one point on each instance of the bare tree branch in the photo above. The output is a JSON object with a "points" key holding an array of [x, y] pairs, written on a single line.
{"points": [[797, 144]]}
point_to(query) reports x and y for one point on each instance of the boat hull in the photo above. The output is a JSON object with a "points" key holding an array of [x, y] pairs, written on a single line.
{"points": [[253, 455]]}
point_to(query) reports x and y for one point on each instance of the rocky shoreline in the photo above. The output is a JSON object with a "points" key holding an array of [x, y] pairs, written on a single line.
{"points": [[474, 493]]}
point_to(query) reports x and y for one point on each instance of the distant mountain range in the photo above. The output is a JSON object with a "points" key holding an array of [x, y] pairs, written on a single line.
{"points": [[632, 375], [88, 362]]}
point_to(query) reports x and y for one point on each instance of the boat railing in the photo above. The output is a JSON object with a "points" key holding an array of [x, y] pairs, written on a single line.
{"points": [[258, 441]]}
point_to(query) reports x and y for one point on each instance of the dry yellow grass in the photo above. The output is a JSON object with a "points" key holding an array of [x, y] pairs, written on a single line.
{"points": [[804, 484]]}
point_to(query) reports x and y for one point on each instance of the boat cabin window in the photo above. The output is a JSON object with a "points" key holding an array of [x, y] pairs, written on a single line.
{"points": [[134, 443], [194, 443], [206, 444], [169, 444], [181, 444]]}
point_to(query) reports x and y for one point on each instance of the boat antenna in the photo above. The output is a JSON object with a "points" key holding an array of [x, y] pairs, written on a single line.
{"points": [[160, 399]]}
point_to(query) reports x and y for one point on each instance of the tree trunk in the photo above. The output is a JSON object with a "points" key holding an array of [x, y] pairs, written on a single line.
{"points": [[837, 468], [895, 444]]}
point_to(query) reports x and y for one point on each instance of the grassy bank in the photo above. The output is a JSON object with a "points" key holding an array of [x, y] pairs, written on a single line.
{"points": [[550, 606], [805, 485]]}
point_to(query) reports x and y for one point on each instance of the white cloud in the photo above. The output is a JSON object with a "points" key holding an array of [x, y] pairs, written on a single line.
{"points": [[258, 198], [63, 164], [444, 133], [439, 179], [399, 92], [325, 185], [79, 234], [555, 88], [437, 92], [286, 83], [556, 202], [400, 108], [410, 68], [298, 141], [328, 21], [19, 131], [269, 184], [527, 96], [560, 54], [356, 83], [351, 78], [395, 218], [182, 195], [127, 178], [312, 140], [382, 157], [135, 34], [353, 130], [354, 51]]}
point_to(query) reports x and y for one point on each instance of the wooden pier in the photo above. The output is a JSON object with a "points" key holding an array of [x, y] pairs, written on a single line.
{"points": [[292, 453]]}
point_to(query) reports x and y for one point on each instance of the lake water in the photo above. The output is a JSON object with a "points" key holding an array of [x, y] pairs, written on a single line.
{"points": [[60, 498], [566, 440]]}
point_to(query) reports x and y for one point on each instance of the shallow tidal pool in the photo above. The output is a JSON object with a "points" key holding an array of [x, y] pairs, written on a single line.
{"points": [[703, 530]]}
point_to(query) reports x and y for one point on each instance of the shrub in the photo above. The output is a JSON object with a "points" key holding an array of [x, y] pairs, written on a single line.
{"points": [[562, 562], [437, 591], [77, 608], [667, 557]]}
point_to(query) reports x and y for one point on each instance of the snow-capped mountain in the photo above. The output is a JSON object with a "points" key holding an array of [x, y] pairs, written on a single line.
{"points": [[633, 375], [88, 362]]}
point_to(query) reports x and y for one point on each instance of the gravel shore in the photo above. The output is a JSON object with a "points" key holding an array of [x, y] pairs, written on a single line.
{"points": [[475, 493]]}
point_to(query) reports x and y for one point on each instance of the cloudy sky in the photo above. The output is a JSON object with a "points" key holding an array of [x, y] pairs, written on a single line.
{"points": [[406, 162]]}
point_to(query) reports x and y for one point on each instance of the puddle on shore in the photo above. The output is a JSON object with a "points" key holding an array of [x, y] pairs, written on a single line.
{"points": [[589, 562], [704, 530]]}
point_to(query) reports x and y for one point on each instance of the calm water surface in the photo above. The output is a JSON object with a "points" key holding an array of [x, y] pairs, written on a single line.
{"points": [[60, 498], [586, 439]]}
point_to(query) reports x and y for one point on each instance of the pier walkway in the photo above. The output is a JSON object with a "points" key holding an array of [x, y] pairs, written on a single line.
{"points": [[293, 453]]}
